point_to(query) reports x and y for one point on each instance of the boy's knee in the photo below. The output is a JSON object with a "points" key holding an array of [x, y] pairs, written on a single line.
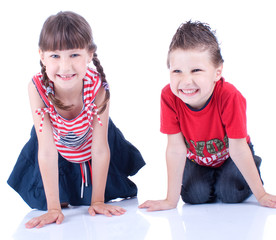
{"points": [[234, 194], [197, 195]]}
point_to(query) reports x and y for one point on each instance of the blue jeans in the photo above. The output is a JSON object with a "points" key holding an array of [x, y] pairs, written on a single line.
{"points": [[206, 184]]}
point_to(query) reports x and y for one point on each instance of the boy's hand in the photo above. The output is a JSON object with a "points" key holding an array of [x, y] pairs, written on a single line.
{"points": [[268, 200], [105, 209], [157, 205], [50, 217]]}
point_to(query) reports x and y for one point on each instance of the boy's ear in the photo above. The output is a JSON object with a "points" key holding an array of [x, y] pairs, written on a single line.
{"points": [[219, 72]]}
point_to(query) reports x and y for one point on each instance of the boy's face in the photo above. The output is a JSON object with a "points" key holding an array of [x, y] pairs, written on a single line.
{"points": [[193, 76]]}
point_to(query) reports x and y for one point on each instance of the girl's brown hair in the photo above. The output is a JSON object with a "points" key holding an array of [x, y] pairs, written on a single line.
{"points": [[64, 31], [196, 35]]}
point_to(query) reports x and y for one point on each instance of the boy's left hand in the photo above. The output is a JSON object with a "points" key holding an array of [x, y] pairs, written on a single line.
{"points": [[105, 209], [268, 200]]}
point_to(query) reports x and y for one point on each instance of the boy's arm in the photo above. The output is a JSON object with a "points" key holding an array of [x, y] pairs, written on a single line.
{"points": [[242, 157], [176, 157]]}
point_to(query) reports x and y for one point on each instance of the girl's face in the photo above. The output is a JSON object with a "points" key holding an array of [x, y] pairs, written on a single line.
{"points": [[66, 68], [193, 76]]}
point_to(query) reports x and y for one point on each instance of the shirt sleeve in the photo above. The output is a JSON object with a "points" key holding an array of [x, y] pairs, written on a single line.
{"points": [[233, 114], [37, 81], [168, 115]]}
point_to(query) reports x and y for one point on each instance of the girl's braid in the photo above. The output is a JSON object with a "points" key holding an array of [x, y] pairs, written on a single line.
{"points": [[51, 97], [99, 68]]}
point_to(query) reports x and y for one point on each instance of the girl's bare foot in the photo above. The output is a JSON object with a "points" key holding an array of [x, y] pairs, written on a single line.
{"points": [[64, 205]]}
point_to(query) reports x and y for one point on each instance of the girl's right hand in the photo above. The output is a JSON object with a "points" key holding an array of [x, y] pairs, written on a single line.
{"points": [[50, 217], [157, 205]]}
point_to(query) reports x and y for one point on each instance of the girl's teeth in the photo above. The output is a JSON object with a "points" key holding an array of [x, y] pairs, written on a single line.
{"points": [[66, 76]]}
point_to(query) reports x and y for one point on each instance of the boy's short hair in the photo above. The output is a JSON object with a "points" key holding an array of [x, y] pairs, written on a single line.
{"points": [[196, 35]]}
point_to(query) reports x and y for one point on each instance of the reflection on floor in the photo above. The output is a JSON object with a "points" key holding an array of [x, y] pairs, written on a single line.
{"points": [[207, 221]]}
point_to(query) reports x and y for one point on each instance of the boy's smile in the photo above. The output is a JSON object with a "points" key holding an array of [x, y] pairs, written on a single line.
{"points": [[193, 76]]}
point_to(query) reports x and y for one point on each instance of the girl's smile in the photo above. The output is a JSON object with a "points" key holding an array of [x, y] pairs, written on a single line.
{"points": [[193, 76], [66, 77]]}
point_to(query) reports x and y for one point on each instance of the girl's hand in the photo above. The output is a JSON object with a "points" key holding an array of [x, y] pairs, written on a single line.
{"points": [[105, 209], [268, 200], [157, 205], [50, 217]]}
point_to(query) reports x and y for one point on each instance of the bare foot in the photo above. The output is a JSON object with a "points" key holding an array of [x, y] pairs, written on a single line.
{"points": [[64, 205]]}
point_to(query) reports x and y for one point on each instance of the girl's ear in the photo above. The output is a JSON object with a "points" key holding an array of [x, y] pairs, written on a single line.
{"points": [[91, 55], [219, 72], [41, 54]]}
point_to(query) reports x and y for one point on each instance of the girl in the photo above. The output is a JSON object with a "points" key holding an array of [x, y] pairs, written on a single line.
{"points": [[205, 120], [70, 103]]}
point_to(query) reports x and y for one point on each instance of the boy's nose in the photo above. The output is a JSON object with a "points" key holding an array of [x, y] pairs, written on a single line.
{"points": [[186, 79]]}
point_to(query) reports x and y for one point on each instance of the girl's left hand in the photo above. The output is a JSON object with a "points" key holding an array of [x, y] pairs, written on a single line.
{"points": [[105, 209], [268, 200]]}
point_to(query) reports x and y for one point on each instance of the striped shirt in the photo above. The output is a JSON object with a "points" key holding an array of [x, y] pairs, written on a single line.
{"points": [[73, 138]]}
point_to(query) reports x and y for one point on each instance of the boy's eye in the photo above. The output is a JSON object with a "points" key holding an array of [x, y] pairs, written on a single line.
{"points": [[196, 70], [176, 71]]}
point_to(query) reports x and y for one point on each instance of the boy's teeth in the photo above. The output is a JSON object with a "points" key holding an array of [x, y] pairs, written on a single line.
{"points": [[189, 91]]}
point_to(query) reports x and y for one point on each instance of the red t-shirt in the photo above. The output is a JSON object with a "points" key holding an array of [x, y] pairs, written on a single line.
{"points": [[206, 131]]}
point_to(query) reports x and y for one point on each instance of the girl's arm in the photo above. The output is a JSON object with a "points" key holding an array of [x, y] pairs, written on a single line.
{"points": [[100, 163], [176, 158], [48, 164], [242, 157]]}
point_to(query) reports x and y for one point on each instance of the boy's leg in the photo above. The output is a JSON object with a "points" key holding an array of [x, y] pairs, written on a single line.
{"points": [[231, 186], [198, 183]]}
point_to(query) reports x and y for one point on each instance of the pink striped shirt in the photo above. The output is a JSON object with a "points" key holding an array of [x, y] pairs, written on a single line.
{"points": [[73, 138]]}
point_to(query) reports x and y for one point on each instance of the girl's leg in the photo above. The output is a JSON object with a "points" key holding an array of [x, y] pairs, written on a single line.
{"points": [[125, 161], [231, 186], [198, 184]]}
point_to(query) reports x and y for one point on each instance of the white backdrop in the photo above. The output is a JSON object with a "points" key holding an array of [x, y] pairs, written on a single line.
{"points": [[133, 39]]}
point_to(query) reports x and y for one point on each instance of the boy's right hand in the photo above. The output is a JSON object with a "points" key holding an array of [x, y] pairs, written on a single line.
{"points": [[50, 217], [157, 205]]}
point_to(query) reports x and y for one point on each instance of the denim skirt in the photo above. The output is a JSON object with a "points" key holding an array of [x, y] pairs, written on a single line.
{"points": [[125, 161]]}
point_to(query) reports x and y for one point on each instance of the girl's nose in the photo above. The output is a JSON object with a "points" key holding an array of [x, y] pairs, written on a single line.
{"points": [[65, 64]]}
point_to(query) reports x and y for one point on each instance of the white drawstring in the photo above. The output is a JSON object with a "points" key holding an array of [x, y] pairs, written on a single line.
{"points": [[85, 179], [85, 175], [82, 187]]}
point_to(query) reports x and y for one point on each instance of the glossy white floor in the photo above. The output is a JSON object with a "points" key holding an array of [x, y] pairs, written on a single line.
{"points": [[208, 221]]}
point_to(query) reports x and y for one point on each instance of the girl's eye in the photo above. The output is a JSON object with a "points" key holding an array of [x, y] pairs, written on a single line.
{"points": [[54, 56], [196, 70], [74, 55], [176, 71]]}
